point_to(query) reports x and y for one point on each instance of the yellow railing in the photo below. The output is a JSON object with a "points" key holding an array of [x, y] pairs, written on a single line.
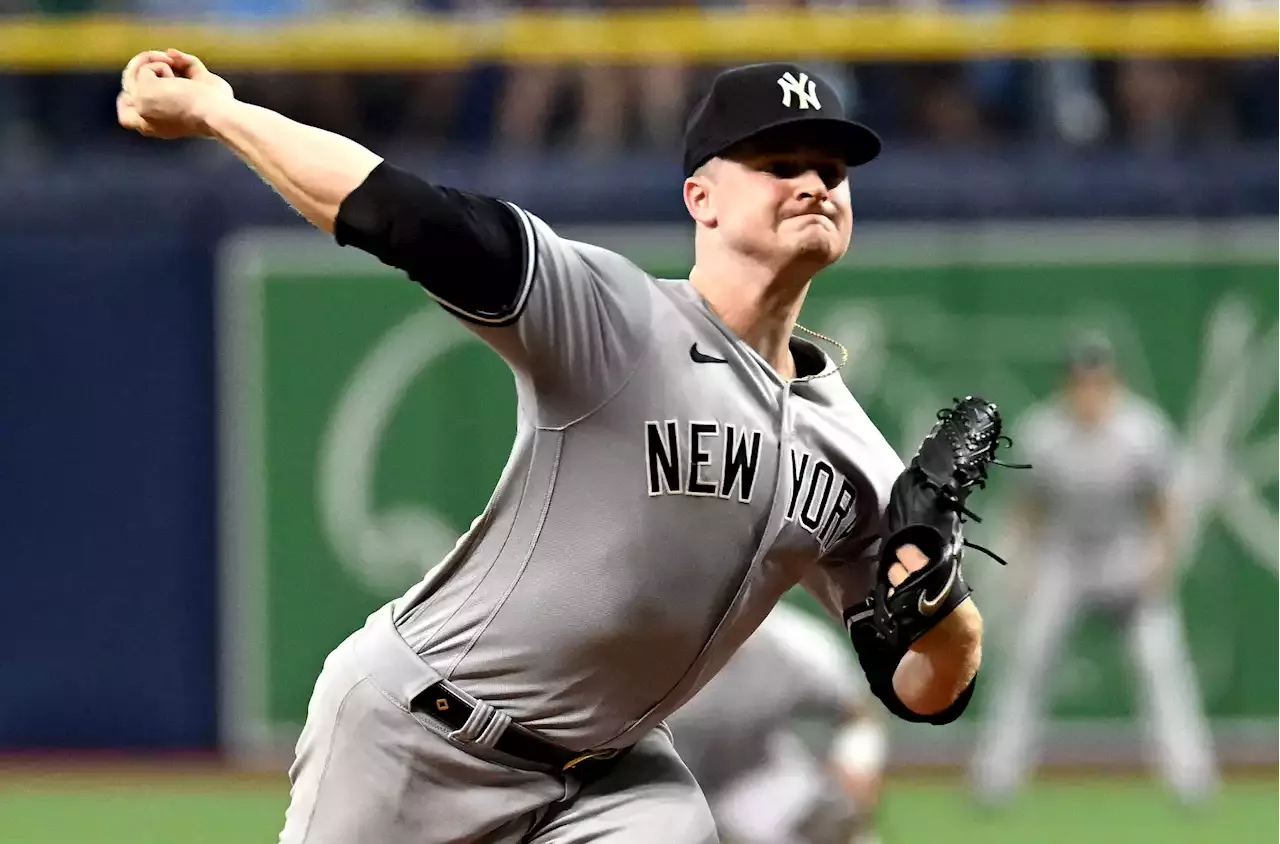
{"points": [[640, 37]]}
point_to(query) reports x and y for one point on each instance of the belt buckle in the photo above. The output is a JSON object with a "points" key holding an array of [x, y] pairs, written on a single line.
{"points": [[591, 754]]}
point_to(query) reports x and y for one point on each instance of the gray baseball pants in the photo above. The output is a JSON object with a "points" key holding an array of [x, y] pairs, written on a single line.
{"points": [[1170, 694], [370, 771]]}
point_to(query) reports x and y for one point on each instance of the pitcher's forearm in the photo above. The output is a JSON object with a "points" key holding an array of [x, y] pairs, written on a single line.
{"points": [[314, 170], [942, 664]]}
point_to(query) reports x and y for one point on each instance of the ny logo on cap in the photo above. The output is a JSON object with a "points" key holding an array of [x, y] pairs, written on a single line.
{"points": [[804, 88]]}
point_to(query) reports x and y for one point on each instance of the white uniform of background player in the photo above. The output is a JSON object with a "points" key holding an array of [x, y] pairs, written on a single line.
{"points": [[1095, 507], [783, 741]]}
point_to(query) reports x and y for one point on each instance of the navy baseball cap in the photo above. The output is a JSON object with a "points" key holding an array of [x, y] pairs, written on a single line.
{"points": [[1088, 352], [747, 101]]}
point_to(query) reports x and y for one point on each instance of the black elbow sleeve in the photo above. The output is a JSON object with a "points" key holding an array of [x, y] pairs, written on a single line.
{"points": [[471, 252]]}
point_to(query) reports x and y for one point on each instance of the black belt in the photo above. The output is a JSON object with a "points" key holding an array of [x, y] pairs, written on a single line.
{"points": [[446, 707]]}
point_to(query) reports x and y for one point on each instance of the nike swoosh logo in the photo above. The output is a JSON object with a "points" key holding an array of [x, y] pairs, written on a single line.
{"points": [[929, 606], [699, 357]]}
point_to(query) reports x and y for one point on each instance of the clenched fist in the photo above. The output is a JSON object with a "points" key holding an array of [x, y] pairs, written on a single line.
{"points": [[168, 95]]}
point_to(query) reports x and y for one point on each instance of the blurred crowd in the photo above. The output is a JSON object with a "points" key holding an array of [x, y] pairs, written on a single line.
{"points": [[1132, 102]]}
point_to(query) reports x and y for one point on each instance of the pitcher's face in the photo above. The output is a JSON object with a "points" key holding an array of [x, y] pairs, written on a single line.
{"points": [[783, 205]]}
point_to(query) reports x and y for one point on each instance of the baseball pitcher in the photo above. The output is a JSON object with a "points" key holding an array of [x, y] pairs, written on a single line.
{"points": [[681, 460]]}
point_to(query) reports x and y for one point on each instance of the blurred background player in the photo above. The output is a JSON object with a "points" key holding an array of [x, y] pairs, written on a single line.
{"points": [[1098, 513], [784, 741]]}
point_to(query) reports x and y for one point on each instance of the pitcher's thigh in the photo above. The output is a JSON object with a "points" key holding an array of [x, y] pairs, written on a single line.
{"points": [[648, 797], [368, 771]]}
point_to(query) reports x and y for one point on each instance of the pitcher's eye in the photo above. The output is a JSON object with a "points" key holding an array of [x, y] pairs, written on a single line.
{"points": [[832, 173], [784, 168]]}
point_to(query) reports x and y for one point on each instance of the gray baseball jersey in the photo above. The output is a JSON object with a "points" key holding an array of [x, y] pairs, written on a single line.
{"points": [[1094, 485], [790, 668], [665, 488]]}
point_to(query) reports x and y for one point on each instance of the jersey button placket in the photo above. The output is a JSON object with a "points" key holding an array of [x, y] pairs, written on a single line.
{"points": [[786, 432]]}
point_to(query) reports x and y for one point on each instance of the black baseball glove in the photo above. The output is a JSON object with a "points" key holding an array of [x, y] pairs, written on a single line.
{"points": [[926, 508]]}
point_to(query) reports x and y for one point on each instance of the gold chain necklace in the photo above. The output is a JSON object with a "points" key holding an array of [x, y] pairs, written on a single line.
{"points": [[844, 353]]}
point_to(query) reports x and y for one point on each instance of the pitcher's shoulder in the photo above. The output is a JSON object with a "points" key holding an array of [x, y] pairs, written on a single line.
{"points": [[878, 461]]}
